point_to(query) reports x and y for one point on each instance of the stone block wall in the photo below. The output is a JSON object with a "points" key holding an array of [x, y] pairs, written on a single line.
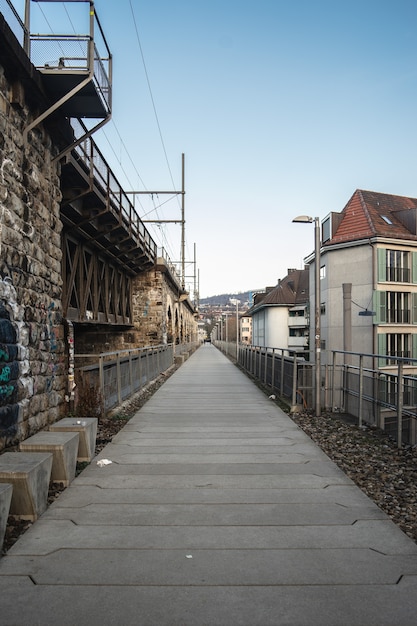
{"points": [[32, 348], [149, 306], [161, 312]]}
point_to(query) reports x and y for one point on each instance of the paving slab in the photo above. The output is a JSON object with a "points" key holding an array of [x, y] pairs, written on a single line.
{"points": [[216, 509]]}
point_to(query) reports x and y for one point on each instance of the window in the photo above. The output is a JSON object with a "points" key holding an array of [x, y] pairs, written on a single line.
{"points": [[395, 307], [398, 307], [322, 272], [395, 344], [398, 266], [297, 332], [326, 228]]}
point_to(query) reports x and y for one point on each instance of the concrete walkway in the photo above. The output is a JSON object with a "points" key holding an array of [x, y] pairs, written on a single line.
{"points": [[216, 509]]}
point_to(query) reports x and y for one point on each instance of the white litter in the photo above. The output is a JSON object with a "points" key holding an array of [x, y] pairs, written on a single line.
{"points": [[272, 397], [188, 556], [104, 462]]}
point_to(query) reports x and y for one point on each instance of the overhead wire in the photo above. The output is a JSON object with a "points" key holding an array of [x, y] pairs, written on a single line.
{"points": [[162, 231], [151, 94]]}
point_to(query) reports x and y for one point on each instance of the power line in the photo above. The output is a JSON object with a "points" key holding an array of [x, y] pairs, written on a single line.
{"points": [[150, 93]]}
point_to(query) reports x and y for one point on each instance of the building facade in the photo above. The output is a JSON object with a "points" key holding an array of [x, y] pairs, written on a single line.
{"points": [[280, 316], [368, 278]]}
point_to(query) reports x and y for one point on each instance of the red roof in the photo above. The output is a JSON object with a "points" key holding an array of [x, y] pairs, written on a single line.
{"points": [[371, 214]]}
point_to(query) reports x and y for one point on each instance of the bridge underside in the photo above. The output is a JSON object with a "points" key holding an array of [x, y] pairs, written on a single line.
{"points": [[104, 242], [94, 289]]}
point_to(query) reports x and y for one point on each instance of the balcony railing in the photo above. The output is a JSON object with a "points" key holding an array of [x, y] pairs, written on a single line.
{"points": [[398, 316], [398, 274]]}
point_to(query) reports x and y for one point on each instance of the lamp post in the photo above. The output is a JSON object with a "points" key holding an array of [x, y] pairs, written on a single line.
{"points": [[226, 315], [306, 219], [236, 301]]}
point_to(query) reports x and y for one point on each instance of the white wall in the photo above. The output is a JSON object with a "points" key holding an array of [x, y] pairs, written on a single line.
{"points": [[270, 327]]}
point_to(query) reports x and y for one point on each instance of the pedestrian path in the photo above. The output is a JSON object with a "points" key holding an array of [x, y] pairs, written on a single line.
{"points": [[216, 509]]}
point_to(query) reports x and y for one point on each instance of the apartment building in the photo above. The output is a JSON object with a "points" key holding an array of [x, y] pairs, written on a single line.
{"points": [[280, 316], [245, 329], [370, 251]]}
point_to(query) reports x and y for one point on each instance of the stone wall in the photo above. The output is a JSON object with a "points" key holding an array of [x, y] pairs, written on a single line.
{"points": [[32, 347], [149, 296], [161, 312]]}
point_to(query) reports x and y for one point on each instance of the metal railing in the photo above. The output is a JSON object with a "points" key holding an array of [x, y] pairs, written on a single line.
{"points": [[182, 348], [115, 197], [66, 52], [118, 375], [378, 390], [276, 368], [14, 21], [385, 397]]}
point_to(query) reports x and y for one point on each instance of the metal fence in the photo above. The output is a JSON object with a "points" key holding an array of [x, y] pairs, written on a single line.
{"points": [[289, 377], [377, 390], [118, 375]]}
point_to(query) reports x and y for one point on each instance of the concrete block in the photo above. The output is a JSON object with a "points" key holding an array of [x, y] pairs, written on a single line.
{"points": [[86, 427], [6, 491], [64, 448], [29, 473]]}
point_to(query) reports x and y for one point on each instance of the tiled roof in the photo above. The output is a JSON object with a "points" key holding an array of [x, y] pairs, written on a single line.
{"points": [[372, 214], [291, 290]]}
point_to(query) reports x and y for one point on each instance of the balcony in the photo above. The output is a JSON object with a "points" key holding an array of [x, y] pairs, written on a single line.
{"points": [[76, 69], [298, 322], [297, 342]]}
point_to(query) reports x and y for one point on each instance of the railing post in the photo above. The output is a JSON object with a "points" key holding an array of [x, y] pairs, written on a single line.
{"points": [[266, 366], [273, 370], [130, 372], [281, 391], [333, 380], [294, 384], [147, 364], [119, 379], [400, 402], [140, 368], [101, 376], [360, 389]]}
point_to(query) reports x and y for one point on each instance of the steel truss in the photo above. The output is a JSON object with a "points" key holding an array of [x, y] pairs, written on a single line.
{"points": [[94, 290]]}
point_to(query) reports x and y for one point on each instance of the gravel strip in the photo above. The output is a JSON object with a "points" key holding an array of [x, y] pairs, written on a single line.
{"points": [[371, 459]]}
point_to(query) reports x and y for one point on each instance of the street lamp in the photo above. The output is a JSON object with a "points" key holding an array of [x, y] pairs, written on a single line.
{"points": [[306, 219], [236, 301]]}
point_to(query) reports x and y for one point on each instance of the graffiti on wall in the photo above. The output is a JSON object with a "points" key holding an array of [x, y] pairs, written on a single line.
{"points": [[9, 375]]}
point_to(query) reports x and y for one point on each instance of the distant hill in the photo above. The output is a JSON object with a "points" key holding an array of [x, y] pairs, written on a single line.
{"points": [[224, 298]]}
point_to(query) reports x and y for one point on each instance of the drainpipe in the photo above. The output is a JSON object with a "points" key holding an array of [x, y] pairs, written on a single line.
{"points": [[347, 321]]}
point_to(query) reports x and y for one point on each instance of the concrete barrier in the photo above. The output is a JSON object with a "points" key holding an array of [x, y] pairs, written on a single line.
{"points": [[29, 473], [6, 490], [64, 448], [87, 429]]}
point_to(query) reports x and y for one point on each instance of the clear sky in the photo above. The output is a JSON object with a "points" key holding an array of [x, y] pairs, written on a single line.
{"points": [[280, 107]]}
